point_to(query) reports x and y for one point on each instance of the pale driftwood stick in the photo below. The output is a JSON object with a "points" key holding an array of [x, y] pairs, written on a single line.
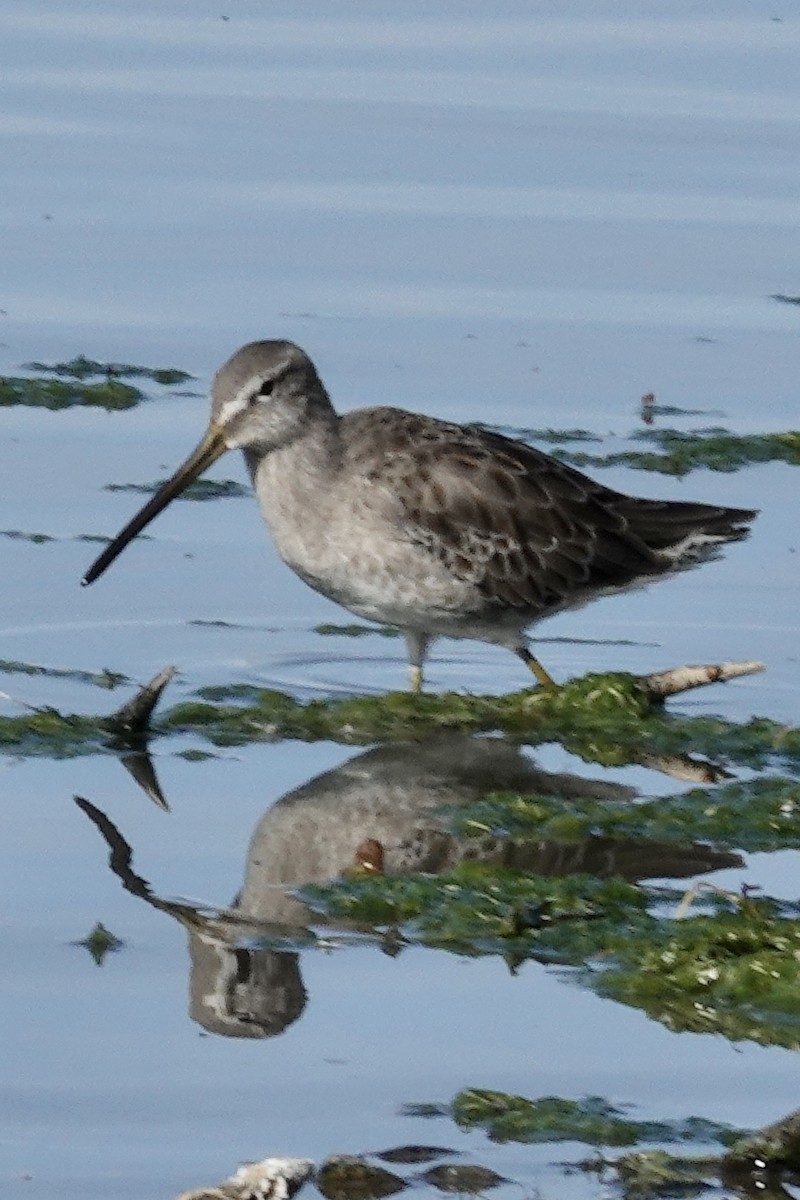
{"points": [[134, 717], [270, 1179], [662, 684], [209, 1194]]}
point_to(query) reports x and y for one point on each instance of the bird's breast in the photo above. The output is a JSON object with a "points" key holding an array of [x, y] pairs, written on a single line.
{"points": [[343, 538]]}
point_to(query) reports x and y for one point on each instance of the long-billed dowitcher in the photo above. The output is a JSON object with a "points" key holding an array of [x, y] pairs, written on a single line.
{"points": [[432, 527]]}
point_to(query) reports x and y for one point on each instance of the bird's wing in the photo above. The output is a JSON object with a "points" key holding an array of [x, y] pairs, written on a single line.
{"points": [[528, 531]]}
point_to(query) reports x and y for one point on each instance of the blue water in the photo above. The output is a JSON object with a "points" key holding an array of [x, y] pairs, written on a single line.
{"points": [[524, 217]]}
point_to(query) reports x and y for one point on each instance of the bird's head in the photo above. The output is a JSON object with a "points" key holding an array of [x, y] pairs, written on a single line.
{"points": [[261, 399]]}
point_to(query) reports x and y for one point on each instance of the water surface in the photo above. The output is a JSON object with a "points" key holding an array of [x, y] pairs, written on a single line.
{"points": [[525, 218]]}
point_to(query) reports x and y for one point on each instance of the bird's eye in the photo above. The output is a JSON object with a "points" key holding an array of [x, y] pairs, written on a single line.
{"points": [[266, 387]]}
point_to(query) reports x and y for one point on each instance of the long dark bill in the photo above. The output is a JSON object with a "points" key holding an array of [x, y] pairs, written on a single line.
{"points": [[209, 450]]}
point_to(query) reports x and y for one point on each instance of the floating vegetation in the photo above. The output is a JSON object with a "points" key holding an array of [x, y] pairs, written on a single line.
{"points": [[606, 719], [17, 535], [236, 714], [748, 1163], [47, 733], [602, 718], [205, 623], [680, 452], [676, 452], [757, 1163], [104, 679], [464, 1179], [84, 382], [44, 539], [350, 1177], [100, 942], [82, 367], [654, 1173], [547, 436], [675, 410], [415, 1154], [56, 394], [552, 1119], [355, 630], [201, 489]]}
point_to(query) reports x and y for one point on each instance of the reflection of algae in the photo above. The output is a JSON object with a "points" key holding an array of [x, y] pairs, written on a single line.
{"points": [[752, 815], [735, 972], [476, 908]]}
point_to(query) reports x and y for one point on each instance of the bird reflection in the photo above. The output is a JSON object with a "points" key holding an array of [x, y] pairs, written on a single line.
{"points": [[382, 809]]}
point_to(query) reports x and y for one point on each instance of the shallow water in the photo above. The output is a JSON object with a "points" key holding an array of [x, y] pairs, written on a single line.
{"points": [[528, 219]]}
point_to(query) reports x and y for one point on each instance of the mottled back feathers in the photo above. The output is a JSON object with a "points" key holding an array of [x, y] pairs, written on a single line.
{"points": [[527, 531]]}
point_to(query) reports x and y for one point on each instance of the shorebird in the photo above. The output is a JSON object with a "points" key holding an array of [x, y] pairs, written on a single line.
{"points": [[435, 528]]}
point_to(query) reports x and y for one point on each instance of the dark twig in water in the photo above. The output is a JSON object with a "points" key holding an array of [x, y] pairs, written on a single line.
{"points": [[133, 719]]}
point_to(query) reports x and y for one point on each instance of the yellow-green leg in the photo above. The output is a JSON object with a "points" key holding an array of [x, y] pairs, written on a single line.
{"points": [[534, 665]]}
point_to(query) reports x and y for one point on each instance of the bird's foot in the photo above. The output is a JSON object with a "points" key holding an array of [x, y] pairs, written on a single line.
{"points": [[533, 664]]}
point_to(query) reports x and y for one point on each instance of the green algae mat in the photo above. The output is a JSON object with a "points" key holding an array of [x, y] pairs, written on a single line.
{"points": [[706, 960], [84, 382]]}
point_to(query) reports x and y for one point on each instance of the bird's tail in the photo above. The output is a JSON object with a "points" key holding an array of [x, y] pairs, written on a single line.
{"points": [[684, 531]]}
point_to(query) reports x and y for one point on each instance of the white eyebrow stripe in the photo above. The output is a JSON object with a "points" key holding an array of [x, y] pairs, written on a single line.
{"points": [[238, 403]]}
